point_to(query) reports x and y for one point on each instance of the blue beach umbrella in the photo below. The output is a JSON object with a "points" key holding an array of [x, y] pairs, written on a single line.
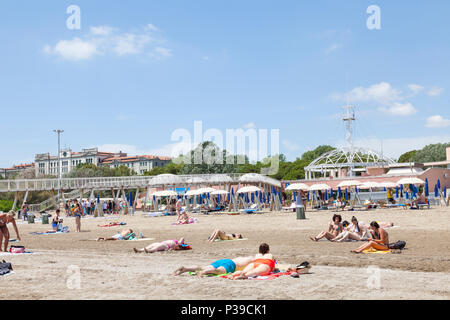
{"points": [[439, 184], [401, 191], [326, 195], [295, 197], [396, 192], [445, 193], [406, 195], [427, 191], [339, 192], [307, 196], [98, 198], [436, 191]]}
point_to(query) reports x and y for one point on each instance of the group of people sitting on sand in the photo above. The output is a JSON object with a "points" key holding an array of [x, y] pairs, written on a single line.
{"points": [[261, 264], [375, 233]]}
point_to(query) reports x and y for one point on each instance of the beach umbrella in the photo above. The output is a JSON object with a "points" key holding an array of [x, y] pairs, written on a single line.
{"points": [[326, 195], [346, 194], [396, 192], [427, 191], [219, 192], [297, 187], [339, 192], [401, 191], [319, 187], [295, 198], [98, 198], [439, 184], [349, 183], [445, 193], [248, 189], [406, 195], [410, 180], [436, 191], [164, 193]]}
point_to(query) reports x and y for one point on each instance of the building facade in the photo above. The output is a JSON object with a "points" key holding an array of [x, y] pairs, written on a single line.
{"points": [[139, 164], [11, 172], [46, 164]]}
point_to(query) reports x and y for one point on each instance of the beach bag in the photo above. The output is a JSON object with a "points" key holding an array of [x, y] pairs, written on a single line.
{"points": [[5, 267], [17, 249], [398, 245]]}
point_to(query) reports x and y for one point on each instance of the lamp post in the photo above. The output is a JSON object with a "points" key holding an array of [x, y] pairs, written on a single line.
{"points": [[59, 159]]}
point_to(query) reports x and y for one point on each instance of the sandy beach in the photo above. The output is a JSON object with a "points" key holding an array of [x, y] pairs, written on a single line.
{"points": [[112, 270]]}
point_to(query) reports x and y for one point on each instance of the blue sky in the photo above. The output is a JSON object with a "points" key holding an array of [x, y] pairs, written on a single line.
{"points": [[137, 71]]}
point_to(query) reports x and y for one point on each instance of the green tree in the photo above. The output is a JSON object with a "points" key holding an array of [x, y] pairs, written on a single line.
{"points": [[431, 153], [407, 157], [316, 153]]}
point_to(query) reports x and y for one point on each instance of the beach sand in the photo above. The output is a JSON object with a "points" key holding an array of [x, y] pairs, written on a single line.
{"points": [[112, 271]]}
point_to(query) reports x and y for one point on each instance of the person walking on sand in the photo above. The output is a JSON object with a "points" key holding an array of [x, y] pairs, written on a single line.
{"points": [[6, 218], [218, 267], [77, 213], [379, 240]]}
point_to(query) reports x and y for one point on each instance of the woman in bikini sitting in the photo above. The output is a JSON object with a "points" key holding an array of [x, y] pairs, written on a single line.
{"points": [[219, 234], [334, 228], [6, 218], [378, 241], [167, 245], [354, 232], [263, 265]]}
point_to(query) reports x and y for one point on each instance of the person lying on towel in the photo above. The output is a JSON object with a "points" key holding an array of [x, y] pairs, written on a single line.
{"points": [[219, 234], [379, 239], [218, 267], [263, 265], [167, 245], [123, 235]]}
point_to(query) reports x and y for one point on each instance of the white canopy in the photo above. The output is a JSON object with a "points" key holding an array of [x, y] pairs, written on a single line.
{"points": [[165, 179], [388, 184], [349, 183], [248, 189], [195, 180], [298, 186], [219, 192], [200, 191], [220, 178], [319, 187], [370, 185], [410, 180], [164, 193]]}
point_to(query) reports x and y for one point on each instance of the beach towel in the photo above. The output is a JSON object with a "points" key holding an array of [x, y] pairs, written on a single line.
{"points": [[271, 276], [63, 230], [220, 240], [134, 239], [249, 210], [372, 250], [191, 220], [15, 254], [113, 224]]}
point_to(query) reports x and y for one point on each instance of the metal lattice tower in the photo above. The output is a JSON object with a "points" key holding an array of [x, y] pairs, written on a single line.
{"points": [[348, 118]]}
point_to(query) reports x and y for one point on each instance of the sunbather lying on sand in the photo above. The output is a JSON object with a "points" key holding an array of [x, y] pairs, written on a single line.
{"points": [[219, 234], [334, 228], [263, 265], [378, 241], [162, 246], [218, 267], [123, 235]]}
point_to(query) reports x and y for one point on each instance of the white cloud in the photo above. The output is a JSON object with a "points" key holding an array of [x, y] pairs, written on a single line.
{"points": [[435, 91], [101, 30], [109, 40], [400, 109], [333, 47], [163, 52], [250, 125], [437, 122], [415, 88], [130, 43], [74, 50]]}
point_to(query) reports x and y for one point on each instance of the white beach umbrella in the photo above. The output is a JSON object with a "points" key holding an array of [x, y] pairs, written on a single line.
{"points": [[388, 184], [349, 183], [298, 186], [411, 180], [319, 187], [248, 189], [164, 193], [207, 190], [195, 180], [193, 192], [370, 185], [219, 192], [220, 178]]}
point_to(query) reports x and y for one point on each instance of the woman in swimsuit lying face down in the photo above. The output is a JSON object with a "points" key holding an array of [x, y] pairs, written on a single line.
{"points": [[162, 246], [219, 234], [263, 265], [218, 267]]}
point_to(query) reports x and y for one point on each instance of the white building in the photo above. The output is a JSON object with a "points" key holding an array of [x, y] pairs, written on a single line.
{"points": [[139, 164], [45, 164]]}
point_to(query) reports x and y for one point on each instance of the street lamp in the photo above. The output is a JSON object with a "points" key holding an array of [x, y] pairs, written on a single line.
{"points": [[59, 158]]}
